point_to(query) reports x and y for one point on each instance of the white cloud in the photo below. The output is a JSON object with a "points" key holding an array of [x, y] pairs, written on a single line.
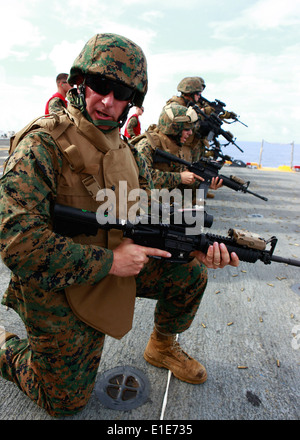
{"points": [[16, 30], [14, 38], [259, 87], [164, 5], [249, 59], [63, 54], [262, 15], [151, 16], [270, 14], [28, 102], [87, 13]]}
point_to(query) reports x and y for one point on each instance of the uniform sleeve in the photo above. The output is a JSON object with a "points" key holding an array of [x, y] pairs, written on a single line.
{"points": [[28, 245], [161, 179], [56, 105], [132, 123], [145, 179]]}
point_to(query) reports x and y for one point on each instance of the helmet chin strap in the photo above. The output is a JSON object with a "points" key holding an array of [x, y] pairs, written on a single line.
{"points": [[106, 123], [124, 115], [100, 122]]}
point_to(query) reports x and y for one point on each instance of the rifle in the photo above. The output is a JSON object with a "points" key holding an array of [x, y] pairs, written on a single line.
{"points": [[206, 168], [250, 248], [215, 152], [219, 107], [212, 127]]}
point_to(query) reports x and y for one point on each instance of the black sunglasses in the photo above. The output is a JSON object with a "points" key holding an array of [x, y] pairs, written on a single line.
{"points": [[104, 86]]}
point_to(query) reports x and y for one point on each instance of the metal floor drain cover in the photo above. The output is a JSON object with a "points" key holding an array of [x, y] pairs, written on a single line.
{"points": [[122, 388], [296, 288]]}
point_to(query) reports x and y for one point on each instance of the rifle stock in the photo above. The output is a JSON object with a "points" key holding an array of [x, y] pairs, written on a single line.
{"points": [[69, 221]]}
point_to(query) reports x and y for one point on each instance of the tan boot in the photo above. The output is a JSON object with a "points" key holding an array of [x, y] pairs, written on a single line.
{"points": [[5, 336], [164, 351], [210, 195]]}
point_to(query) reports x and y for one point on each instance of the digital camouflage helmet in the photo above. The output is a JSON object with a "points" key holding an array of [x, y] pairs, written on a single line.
{"points": [[202, 82], [191, 84], [174, 118], [114, 57]]}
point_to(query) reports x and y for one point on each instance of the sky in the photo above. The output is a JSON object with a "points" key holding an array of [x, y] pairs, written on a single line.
{"points": [[246, 51]]}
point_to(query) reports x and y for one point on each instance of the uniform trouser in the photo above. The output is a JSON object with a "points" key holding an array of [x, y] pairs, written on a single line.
{"points": [[58, 371]]}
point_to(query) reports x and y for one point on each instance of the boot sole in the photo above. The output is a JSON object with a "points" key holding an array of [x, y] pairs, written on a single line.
{"points": [[160, 365]]}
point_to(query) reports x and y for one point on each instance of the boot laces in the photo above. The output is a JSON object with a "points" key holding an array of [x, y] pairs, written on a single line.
{"points": [[178, 350]]}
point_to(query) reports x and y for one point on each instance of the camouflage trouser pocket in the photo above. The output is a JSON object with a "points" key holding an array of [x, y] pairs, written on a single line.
{"points": [[178, 289], [65, 367], [47, 369]]}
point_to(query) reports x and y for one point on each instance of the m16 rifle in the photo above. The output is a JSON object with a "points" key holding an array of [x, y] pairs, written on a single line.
{"points": [[219, 109], [210, 127], [206, 168], [249, 247], [215, 152]]}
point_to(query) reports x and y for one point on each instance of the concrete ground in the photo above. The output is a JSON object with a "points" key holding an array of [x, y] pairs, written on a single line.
{"points": [[246, 331]]}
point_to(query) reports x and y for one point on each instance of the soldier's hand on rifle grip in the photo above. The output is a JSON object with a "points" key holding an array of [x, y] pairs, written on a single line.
{"points": [[216, 183], [129, 258], [187, 178], [217, 256]]}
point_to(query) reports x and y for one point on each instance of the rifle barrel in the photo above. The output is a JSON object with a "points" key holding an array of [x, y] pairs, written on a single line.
{"points": [[239, 148], [241, 123], [220, 131], [289, 261], [257, 195], [239, 187]]}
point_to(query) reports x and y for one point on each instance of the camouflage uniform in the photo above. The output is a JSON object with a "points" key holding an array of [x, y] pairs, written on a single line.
{"points": [[133, 127], [56, 105], [132, 123], [169, 176], [188, 86], [198, 142], [165, 136], [56, 365]]}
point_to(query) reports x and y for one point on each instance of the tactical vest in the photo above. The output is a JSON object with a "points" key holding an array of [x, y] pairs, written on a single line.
{"points": [[192, 141], [93, 161], [157, 139], [179, 100]]}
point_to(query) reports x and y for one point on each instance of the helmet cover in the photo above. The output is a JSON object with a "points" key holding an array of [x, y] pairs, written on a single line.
{"points": [[174, 118], [116, 58], [191, 84]]}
